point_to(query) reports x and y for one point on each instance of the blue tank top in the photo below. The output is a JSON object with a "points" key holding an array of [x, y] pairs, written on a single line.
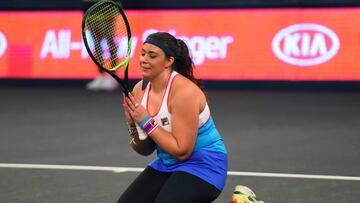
{"points": [[208, 160]]}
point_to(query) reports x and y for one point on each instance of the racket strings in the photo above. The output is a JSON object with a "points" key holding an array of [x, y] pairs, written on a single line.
{"points": [[108, 34]]}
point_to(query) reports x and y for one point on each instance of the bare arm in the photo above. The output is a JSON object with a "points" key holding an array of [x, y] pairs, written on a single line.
{"points": [[185, 102], [180, 142], [186, 99], [143, 147]]}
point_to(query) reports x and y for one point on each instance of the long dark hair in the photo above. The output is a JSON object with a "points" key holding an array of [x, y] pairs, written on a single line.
{"points": [[183, 63]]}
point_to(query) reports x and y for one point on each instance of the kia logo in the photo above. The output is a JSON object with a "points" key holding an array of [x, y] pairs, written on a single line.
{"points": [[305, 44], [3, 44]]}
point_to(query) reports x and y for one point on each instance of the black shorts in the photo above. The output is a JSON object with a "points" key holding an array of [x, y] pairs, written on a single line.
{"points": [[152, 186]]}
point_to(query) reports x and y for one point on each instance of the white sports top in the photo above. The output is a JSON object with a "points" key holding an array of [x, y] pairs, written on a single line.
{"points": [[163, 117], [208, 159]]}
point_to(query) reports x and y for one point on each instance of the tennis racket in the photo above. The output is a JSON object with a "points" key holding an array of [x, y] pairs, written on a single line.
{"points": [[107, 38]]}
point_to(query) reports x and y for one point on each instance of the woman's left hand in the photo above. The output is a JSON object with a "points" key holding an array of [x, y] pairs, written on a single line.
{"points": [[135, 109]]}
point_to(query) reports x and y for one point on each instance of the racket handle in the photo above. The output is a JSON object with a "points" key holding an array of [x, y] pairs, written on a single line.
{"points": [[141, 133]]}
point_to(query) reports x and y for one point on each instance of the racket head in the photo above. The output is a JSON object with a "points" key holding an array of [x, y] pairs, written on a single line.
{"points": [[107, 38]]}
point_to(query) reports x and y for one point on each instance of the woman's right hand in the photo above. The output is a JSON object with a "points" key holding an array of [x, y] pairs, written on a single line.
{"points": [[128, 117]]}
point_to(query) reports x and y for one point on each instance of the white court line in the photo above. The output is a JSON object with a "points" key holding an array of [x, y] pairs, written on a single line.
{"points": [[132, 169]]}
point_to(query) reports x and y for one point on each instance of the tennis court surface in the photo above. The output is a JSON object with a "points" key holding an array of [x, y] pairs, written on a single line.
{"points": [[66, 144]]}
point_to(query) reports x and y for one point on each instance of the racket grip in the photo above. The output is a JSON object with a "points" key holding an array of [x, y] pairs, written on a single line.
{"points": [[141, 133]]}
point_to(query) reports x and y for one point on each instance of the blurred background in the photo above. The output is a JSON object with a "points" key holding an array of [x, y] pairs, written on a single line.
{"points": [[282, 77], [248, 40]]}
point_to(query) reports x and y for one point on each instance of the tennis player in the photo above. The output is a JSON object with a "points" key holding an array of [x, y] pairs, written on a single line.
{"points": [[172, 111]]}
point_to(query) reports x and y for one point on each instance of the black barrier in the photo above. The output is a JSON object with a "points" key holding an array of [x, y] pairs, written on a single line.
{"points": [[166, 4], [40, 4]]}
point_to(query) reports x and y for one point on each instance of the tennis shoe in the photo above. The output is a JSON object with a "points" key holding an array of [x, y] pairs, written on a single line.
{"points": [[95, 84], [108, 84], [243, 194]]}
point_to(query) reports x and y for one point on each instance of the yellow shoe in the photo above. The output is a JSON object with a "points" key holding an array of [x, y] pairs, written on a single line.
{"points": [[243, 194]]}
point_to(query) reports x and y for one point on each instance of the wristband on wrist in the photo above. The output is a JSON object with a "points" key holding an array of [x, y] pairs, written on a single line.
{"points": [[149, 125], [143, 122]]}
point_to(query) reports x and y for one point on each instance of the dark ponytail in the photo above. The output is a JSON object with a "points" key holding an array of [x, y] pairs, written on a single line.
{"points": [[183, 63]]}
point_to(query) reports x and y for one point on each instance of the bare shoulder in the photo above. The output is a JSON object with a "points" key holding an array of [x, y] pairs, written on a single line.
{"points": [[137, 90], [183, 89]]}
